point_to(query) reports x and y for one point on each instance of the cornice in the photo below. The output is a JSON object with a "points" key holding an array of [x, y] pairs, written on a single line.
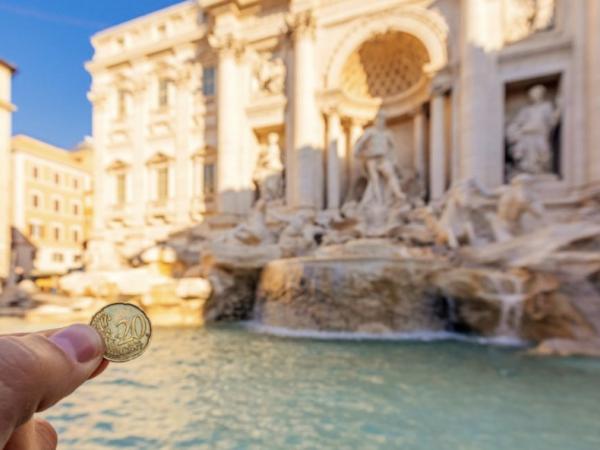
{"points": [[99, 64], [7, 106]]}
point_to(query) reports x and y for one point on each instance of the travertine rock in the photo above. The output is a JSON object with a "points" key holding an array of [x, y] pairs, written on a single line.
{"points": [[193, 288], [568, 347], [348, 294], [233, 293], [548, 249]]}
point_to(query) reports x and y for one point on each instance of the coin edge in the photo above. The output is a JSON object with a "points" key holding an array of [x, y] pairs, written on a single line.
{"points": [[149, 337]]}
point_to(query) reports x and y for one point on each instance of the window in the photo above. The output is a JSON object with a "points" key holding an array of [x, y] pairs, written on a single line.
{"points": [[208, 81], [58, 257], [56, 233], [35, 201], [76, 258], [162, 183], [164, 87], [36, 172], [75, 183], [122, 103], [121, 179], [208, 180], [56, 206], [56, 178], [35, 230], [76, 236], [75, 209]]}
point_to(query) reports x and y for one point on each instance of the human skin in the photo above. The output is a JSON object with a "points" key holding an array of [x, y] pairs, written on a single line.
{"points": [[37, 370]]}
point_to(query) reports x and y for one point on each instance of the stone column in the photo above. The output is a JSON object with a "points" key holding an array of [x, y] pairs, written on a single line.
{"points": [[419, 142], [437, 140], [335, 156], [137, 200], [98, 99], [593, 91], [183, 194], [356, 131], [481, 93], [305, 182], [228, 131]]}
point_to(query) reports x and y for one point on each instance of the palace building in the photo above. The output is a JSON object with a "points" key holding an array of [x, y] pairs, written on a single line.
{"points": [[187, 99], [51, 188], [6, 109]]}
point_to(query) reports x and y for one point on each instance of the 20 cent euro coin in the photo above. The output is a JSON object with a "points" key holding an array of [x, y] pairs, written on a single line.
{"points": [[126, 331]]}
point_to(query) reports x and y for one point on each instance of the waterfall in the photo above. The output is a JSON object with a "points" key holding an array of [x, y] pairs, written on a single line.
{"points": [[509, 293]]}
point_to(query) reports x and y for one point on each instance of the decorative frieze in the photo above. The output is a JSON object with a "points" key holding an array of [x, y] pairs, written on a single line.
{"points": [[523, 18], [269, 73]]}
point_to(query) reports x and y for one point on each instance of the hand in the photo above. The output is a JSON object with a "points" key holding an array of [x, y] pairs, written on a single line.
{"points": [[36, 371]]}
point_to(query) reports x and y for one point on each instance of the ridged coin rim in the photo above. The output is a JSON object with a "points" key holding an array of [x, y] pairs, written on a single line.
{"points": [[149, 337]]}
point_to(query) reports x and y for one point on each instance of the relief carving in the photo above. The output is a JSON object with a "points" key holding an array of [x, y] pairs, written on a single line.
{"points": [[269, 75], [525, 17]]}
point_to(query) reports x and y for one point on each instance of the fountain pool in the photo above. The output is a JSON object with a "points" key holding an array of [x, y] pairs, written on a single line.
{"points": [[229, 388]]}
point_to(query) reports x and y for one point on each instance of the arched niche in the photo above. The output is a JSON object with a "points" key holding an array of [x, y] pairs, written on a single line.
{"points": [[427, 27]]}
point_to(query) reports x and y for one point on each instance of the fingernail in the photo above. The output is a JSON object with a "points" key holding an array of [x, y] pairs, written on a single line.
{"points": [[80, 342]]}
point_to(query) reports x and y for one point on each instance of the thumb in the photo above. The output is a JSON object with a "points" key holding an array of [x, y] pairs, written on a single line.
{"points": [[36, 371]]}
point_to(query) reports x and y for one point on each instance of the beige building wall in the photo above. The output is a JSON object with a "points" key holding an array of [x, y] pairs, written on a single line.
{"points": [[50, 186], [6, 110]]}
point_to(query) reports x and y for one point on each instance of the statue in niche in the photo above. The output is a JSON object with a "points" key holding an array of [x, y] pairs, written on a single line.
{"points": [[375, 151], [529, 134], [525, 17], [268, 174], [269, 74]]}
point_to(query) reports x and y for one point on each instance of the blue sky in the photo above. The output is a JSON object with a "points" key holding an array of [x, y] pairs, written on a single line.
{"points": [[49, 41]]}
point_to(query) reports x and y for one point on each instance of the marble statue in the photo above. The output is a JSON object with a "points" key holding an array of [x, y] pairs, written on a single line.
{"points": [[456, 223], [529, 134], [251, 232], [516, 200], [375, 150], [299, 236], [525, 17], [268, 174], [269, 75]]}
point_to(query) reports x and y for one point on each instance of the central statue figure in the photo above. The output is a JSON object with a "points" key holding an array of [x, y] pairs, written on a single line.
{"points": [[375, 151]]}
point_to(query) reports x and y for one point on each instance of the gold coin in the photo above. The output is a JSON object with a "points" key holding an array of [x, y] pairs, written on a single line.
{"points": [[126, 331]]}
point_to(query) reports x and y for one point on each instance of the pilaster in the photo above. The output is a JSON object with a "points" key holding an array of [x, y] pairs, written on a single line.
{"points": [[482, 150], [420, 146], [335, 157], [593, 91], [305, 182], [229, 134]]}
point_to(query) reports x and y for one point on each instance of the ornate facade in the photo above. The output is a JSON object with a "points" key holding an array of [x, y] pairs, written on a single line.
{"points": [[191, 101]]}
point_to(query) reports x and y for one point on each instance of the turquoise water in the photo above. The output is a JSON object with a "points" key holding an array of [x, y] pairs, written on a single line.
{"points": [[227, 388]]}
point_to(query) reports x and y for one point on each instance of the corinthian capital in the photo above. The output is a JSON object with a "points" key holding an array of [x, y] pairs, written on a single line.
{"points": [[301, 24], [226, 44]]}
